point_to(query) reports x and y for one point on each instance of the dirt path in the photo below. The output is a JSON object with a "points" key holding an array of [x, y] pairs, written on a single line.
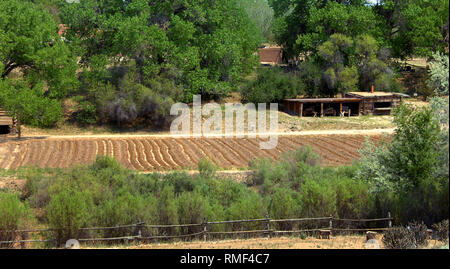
{"points": [[166, 135]]}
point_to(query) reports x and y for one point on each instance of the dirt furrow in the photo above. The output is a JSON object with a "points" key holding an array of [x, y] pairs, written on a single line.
{"points": [[158, 154], [180, 153], [150, 154], [142, 155], [173, 156]]}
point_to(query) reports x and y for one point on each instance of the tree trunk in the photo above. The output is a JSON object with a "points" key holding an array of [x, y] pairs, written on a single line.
{"points": [[19, 129]]}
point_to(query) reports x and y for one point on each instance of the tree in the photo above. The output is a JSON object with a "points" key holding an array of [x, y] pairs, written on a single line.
{"points": [[415, 27], [350, 19], [28, 105], [45, 65], [301, 26], [346, 64], [30, 44], [439, 74], [261, 14], [411, 166], [206, 46]]}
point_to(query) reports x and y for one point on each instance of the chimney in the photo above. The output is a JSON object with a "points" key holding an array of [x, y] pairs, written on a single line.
{"points": [[372, 89]]}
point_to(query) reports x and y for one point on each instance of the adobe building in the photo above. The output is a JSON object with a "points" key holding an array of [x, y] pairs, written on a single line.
{"points": [[271, 56], [6, 123]]}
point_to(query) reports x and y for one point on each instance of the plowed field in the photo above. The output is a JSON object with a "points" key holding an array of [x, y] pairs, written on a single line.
{"points": [[159, 154]]}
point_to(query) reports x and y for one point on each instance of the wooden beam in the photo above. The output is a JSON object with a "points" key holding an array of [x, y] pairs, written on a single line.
{"points": [[340, 109], [300, 112], [321, 109]]}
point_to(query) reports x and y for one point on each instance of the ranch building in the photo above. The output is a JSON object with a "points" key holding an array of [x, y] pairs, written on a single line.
{"points": [[351, 104], [6, 123]]}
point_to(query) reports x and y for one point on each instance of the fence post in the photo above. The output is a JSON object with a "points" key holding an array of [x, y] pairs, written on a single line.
{"points": [[268, 225], [139, 229], [205, 229], [390, 220], [331, 223]]}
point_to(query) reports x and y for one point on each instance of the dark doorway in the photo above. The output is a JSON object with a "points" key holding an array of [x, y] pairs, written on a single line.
{"points": [[382, 105], [4, 129]]}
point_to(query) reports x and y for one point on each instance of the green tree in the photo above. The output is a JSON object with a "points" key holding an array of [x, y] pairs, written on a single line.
{"points": [[206, 46], [411, 166], [301, 26], [439, 73], [29, 105], [31, 46], [261, 14], [415, 27], [348, 64]]}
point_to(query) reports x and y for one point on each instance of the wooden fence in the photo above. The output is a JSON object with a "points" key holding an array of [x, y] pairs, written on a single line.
{"points": [[142, 232]]}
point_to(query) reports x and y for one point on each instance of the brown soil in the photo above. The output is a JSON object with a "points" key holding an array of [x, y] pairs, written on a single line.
{"points": [[151, 153]]}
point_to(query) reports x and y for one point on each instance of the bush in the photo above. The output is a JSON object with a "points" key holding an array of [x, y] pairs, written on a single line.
{"points": [[13, 215], [318, 198], [398, 238], [272, 86], [167, 210], [442, 230], [192, 208], [68, 211], [206, 168], [87, 114], [121, 96], [284, 204], [250, 206], [419, 233], [124, 209]]}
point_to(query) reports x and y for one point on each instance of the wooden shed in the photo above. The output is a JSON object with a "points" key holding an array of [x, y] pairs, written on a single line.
{"points": [[376, 103], [323, 107], [271, 56], [6, 123]]}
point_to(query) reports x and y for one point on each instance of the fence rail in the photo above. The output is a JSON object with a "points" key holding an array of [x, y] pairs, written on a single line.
{"points": [[332, 226]]}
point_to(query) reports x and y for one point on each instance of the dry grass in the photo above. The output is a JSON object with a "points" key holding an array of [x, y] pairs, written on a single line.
{"points": [[338, 242], [286, 123]]}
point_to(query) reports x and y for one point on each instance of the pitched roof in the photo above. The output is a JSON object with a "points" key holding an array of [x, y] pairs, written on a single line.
{"points": [[270, 55], [374, 94]]}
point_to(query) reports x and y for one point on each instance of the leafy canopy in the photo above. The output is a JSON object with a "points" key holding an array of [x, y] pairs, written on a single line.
{"points": [[206, 46]]}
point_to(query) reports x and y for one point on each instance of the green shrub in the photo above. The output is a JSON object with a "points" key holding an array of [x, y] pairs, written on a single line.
{"points": [[192, 209], [68, 211], [284, 204], [206, 168], [272, 86], [250, 206], [121, 96], [13, 215], [87, 114], [124, 209], [268, 173], [353, 200], [167, 210], [318, 198]]}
